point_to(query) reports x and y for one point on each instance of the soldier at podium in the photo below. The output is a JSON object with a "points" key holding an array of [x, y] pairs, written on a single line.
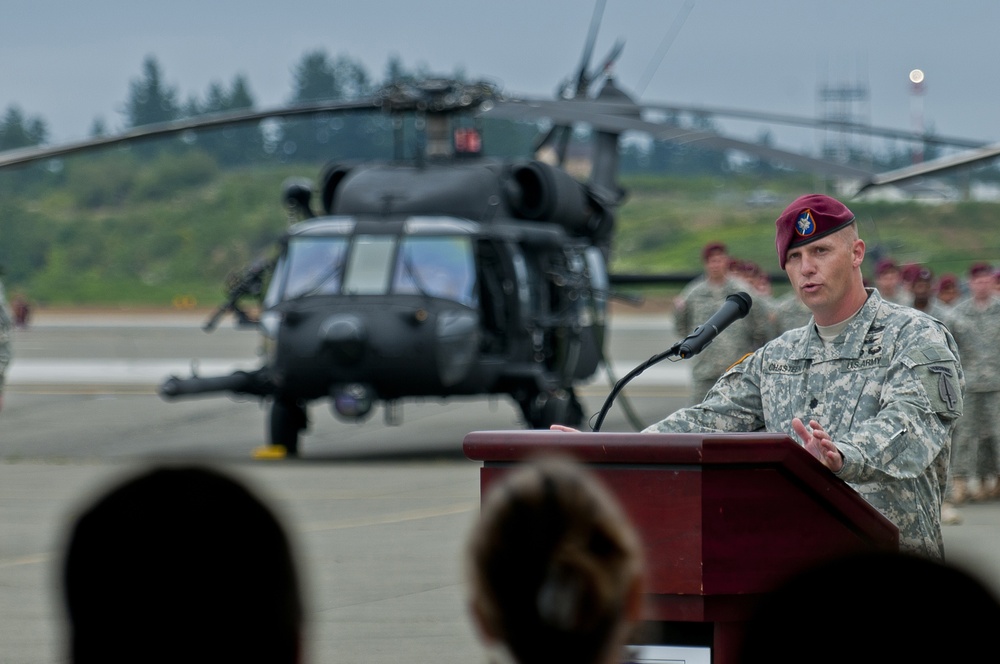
{"points": [[872, 389]]}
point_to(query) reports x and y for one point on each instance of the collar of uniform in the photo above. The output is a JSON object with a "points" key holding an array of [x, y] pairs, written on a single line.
{"points": [[850, 343], [860, 328]]}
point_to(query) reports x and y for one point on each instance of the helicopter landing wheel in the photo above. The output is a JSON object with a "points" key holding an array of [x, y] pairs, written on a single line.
{"points": [[543, 410], [288, 418]]}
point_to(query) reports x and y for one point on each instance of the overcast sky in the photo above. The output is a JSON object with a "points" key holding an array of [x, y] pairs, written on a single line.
{"points": [[72, 62]]}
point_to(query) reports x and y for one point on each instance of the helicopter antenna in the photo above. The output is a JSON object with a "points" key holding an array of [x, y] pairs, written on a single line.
{"points": [[668, 41]]}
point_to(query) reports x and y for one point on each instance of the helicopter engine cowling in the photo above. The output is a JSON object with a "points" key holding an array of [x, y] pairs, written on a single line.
{"points": [[330, 181], [297, 195], [541, 192]]}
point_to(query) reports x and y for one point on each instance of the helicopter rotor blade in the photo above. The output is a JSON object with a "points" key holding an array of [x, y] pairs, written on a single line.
{"points": [[228, 119], [609, 59], [823, 123], [582, 80], [933, 166], [621, 117]]}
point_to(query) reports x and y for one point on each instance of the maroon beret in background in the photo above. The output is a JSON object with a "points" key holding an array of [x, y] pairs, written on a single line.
{"points": [[977, 269], [885, 265], [807, 219], [711, 248], [947, 281]]}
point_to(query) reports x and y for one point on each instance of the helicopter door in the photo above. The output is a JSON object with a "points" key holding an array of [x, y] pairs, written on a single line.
{"points": [[496, 295]]}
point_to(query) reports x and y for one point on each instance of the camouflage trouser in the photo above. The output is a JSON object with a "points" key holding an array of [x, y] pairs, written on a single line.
{"points": [[978, 426]]}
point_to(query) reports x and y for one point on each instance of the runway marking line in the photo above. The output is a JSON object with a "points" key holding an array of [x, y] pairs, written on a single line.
{"points": [[387, 519]]}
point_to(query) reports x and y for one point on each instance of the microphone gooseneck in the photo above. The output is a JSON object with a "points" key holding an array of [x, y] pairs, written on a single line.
{"points": [[735, 307]]}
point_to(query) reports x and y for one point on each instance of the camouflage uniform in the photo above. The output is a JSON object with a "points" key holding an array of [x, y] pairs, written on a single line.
{"points": [[892, 370], [792, 313], [701, 300], [6, 325], [977, 332]]}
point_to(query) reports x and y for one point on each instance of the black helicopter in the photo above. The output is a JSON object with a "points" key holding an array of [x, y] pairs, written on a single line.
{"points": [[443, 272], [444, 275]]}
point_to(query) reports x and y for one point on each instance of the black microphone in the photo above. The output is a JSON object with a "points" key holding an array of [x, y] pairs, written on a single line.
{"points": [[735, 307]]}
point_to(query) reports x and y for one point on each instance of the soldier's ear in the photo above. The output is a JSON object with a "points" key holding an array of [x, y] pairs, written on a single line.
{"points": [[858, 250]]}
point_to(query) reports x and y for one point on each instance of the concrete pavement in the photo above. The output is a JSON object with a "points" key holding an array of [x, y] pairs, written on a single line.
{"points": [[380, 546], [380, 538]]}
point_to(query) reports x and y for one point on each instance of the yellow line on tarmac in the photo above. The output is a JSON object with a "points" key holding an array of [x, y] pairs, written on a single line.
{"points": [[386, 519]]}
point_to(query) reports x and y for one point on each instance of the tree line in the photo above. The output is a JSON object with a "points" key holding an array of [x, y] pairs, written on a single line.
{"points": [[317, 77]]}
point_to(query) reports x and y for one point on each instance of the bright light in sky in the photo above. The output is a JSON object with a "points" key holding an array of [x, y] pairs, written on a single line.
{"points": [[917, 76]]}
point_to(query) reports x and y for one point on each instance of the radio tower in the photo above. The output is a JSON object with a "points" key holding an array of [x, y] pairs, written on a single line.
{"points": [[844, 105]]}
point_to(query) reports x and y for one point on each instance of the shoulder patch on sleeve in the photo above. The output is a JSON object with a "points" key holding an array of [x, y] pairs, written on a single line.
{"points": [[739, 361]]}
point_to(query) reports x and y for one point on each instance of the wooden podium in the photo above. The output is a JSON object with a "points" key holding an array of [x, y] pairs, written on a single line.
{"points": [[723, 517]]}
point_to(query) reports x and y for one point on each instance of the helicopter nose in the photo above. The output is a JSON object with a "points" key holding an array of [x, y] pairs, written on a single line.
{"points": [[346, 336]]}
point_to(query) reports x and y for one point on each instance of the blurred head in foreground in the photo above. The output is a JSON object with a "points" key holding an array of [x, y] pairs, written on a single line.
{"points": [[874, 607], [181, 564], [555, 567]]}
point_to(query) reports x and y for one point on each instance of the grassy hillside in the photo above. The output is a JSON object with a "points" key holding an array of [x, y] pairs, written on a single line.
{"points": [[123, 230], [665, 223]]}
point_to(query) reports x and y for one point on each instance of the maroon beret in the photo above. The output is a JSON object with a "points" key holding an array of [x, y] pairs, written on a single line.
{"points": [[885, 265], [711, 248], [807, 219], [978, 269], [910, 272], [947, 281]]}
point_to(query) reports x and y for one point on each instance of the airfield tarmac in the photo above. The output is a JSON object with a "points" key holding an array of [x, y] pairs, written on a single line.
{"points": [[379, 514]]}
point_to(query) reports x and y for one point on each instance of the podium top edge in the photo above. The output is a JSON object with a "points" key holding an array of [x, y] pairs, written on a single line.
{"points": [[679, 448]]}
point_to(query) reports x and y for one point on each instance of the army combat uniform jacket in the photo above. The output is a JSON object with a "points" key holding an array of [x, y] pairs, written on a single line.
{"points": [[888, 391]]}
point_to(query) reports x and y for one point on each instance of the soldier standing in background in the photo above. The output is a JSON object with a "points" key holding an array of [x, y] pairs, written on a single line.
{"points": [[975, 322], [696, 304], [889, 282], [791, 312], [6, 325], [947, 294]]}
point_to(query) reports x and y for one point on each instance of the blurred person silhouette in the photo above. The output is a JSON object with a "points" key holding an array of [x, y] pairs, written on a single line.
{"points": [[889, 282], [884, 607], [921, 287], [698, 301], [21, 309], [975, 322], [6, 328], [555, 567], [181, 564], [948, 293]]}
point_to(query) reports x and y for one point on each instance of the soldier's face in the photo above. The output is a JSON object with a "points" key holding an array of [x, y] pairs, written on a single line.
{"points": [[823, 273], [717, 265], [981, 286]]}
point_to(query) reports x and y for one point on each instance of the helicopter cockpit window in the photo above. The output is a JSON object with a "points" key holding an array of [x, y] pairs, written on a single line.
{"points": [[315, 266], [370, 265], [437, 266]]}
